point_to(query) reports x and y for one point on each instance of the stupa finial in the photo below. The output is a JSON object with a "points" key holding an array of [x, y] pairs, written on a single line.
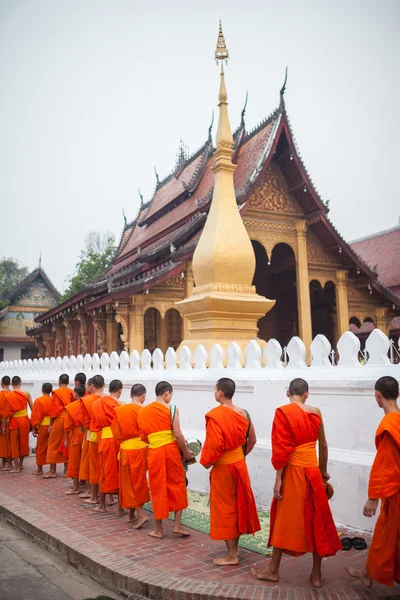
{"points": [[221, 51]]}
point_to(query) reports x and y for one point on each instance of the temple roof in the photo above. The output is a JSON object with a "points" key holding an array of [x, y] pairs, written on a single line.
{"points": [[166, 230], [24, 284]]}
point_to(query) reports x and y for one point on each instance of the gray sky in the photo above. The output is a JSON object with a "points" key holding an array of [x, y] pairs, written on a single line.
{"points": [[94, 93]]}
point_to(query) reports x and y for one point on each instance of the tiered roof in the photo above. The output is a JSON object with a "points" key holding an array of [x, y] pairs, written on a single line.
{"points": [[166, 230]]}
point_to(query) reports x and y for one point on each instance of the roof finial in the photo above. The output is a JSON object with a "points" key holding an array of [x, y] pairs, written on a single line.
{"points": [[157, 178], [221, 51], [244, 108], [125, 220], [211, 126], [283, 88], [40, 260], [141, 199]]}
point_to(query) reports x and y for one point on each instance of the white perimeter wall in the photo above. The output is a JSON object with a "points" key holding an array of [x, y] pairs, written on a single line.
{"points": [[344, 393]]}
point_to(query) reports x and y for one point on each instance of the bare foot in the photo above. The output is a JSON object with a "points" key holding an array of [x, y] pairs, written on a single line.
{"points": [[14, 471], [159, 536], [85, 495], [316, 581], [360, 575], [139, 522], [101, 511], [112, 502], [90, 501], [132, 517], [37, 472], [182, 531], [225, 561], [49, 476], [6, 468], [121, 512], [71, 493], [264, 573]]}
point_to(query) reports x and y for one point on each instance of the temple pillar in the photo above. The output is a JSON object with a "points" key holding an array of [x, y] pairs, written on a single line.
{"points": [[188, 290], [342, 303], [382, 321], [136, 323], [111, 343], [163, 334], [303, 286]]}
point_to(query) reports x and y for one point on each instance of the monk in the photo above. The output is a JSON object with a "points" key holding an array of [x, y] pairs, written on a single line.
{"points": [[97, 391], [133, 488], [40, 420], [84, 467], [15, 409], [230, 436], [80, 379], [74, 437], [166, 472], [383, 562], [56, 454], [5, 452], [300, 520], [103, 416]]}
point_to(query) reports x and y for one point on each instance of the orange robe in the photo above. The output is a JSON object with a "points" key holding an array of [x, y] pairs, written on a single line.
{"points": [[4, 437], [302, 521], [61, 398], [383, 563], [232, 506], [90, 450], [17, 426], [103, 416], [72, 425], [166, 472], [133, 488], [41, 409]]}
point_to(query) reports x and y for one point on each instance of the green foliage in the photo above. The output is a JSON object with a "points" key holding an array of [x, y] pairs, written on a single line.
{"points": [[92, 262], [11, 274]]}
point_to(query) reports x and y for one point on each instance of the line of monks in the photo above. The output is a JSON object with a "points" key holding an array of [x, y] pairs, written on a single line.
{"points": [[139, 452]]}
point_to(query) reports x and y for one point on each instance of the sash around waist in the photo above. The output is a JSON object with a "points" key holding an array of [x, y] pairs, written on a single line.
{"points": [[106, 433], [231, 456], [20, 413], [304, 456], [161, 438], [45, 421], [133, 444], [93, 436]]}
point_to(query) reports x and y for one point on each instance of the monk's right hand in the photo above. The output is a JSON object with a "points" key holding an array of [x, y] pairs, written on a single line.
{"points": [[188, 454], [277, 490], [370, 507]]}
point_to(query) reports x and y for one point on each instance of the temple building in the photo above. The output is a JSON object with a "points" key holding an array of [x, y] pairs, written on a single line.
{"points": [[320, 284], [30, 298]]}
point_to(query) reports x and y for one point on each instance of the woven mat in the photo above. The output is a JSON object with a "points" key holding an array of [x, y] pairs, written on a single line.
{"points": [[197, 516]]}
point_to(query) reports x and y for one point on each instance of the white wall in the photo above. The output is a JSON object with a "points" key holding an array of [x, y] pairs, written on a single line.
{"points": [[344, 393], [12, 351]]}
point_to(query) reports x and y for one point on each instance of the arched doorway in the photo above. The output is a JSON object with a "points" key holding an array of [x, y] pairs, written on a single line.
{"points": [[323, 309], [152, 329], [276, 279], [173, 328]]}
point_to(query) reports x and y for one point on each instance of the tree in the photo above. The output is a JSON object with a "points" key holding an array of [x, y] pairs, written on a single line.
{"points": [[92, 261], [11, 274]]}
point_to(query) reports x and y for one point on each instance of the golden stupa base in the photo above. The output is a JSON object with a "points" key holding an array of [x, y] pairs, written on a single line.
{"points": [[222, 317]]}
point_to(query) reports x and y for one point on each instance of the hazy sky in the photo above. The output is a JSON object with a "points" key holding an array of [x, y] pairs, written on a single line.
{"points": [[94, 93]]}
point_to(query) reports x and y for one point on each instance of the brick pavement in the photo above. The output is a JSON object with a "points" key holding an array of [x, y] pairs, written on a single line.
{"points": [[172, 569]]}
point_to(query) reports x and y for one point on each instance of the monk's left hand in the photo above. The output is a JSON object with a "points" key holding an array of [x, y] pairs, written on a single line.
{"points": [[326, 476], [370, 507]]}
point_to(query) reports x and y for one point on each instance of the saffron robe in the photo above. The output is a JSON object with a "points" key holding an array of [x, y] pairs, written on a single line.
{"points": [[61, 397], [90, 450], [133, 487], [72, 425], [232, 506], [4, 437], [103, 416], [166, 472], [41, 409], [18, 427], [302, 521], [383, 563]]}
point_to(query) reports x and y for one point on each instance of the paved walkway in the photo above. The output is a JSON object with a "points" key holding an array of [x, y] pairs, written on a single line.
{"points": [[172, 569]]}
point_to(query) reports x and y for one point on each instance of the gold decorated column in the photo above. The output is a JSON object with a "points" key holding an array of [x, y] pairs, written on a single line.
{"points": [[223, 306], [188, 290], [303, 285], [342, 303], [382, 321], [136, 323]]}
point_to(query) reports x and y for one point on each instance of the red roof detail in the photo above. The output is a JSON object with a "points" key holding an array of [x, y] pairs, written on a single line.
{"points": [[249, 155], [383, 251]]}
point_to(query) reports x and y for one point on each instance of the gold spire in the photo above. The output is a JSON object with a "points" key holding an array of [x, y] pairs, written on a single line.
{"points": [[221, 51]]}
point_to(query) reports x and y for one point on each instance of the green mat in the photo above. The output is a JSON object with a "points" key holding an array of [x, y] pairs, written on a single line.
{"points": [[197, 516]]}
